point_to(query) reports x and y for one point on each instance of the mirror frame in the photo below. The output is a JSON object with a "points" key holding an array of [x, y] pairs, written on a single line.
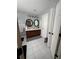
{"points": [[37, 21], [30, 21]]}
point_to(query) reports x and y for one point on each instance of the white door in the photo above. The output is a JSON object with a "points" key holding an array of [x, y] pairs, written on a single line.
{"points": [[59, 51], [50, 26], [56, 29]]}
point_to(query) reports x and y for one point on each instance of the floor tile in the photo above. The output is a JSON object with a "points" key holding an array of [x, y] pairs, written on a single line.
{"points": [[37, 49]]}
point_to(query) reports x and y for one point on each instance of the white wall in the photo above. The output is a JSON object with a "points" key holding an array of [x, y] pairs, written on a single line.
{"points": [[21, 20], [22, 17], [56, 30], [46, 22], [44, 25]]}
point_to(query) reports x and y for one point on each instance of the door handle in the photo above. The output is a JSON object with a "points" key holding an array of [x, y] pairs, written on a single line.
{"points": [[50, 33]]}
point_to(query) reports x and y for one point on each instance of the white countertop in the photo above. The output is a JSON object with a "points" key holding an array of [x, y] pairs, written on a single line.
{"points": [[30, 29]]}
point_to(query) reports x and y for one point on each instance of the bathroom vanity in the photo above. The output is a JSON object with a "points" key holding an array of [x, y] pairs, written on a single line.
{"points": [[33, 29], [33, 32]]}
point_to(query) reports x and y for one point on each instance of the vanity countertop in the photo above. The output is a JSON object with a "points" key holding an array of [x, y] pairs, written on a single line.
{"points": [[32, 29]]}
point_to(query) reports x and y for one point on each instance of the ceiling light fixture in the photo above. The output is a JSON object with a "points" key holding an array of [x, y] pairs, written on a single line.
{"points": [[34, 10]]}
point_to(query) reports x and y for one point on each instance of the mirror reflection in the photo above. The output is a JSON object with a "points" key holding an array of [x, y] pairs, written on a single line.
{"points": [[36, 22]]}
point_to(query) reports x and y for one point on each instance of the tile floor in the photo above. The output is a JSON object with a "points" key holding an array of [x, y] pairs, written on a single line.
{"points": [[37, 49]]}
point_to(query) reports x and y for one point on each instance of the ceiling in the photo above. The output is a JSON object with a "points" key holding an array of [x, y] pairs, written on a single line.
{"points": [[35, 7]]}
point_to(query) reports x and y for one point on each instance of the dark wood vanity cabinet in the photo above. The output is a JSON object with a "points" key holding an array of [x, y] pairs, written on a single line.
{"points": [[33, 33]]}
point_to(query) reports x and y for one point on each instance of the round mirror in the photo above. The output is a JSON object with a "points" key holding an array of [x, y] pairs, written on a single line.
{"points": [[36, 22], [29, 22]]}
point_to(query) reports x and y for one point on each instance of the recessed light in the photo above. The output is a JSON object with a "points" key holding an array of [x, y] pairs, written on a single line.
{"points": [[49, 0], [34, 10]]}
